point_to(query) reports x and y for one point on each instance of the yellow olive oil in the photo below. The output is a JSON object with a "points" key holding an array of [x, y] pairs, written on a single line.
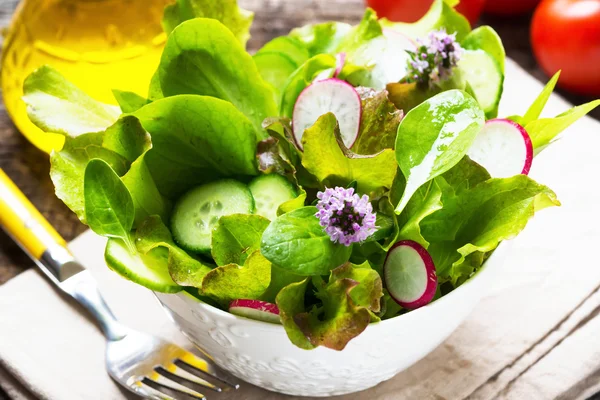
{"points": [[98, 45]]}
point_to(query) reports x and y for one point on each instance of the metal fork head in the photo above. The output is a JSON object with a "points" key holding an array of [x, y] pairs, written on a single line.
{"points": [[155, 369]]}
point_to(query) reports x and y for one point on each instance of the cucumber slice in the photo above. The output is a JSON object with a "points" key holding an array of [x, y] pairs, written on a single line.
{"points": [[197, 212], [269, 191], [150, 270], [485, 77]]}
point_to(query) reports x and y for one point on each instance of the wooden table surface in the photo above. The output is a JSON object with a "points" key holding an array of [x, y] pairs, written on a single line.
{"points": [[29, 167]]}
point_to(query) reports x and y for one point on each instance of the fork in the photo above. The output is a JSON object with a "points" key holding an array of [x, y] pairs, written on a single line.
{"points": [[144, 364]]}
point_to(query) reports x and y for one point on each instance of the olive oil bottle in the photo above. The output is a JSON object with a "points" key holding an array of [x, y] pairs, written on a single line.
{"points": [[98, 45]]}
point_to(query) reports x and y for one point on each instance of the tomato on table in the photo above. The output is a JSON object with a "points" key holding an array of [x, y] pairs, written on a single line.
{"points": [[509, 7], [412, 10], [565, 35]]}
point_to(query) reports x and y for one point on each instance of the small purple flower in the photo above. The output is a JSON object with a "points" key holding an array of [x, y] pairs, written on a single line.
{"points": [[346, 217], [434, 58]]}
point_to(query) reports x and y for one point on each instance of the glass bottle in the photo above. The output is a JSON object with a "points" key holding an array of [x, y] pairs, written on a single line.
{"points": [[98, 45]]}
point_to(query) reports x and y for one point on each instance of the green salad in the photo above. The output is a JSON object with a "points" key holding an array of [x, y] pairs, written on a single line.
{"points": [[340, 176]]}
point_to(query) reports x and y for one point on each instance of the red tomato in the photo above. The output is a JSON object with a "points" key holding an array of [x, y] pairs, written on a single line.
{"points": [[509, 7], [412, 10], [565, 35]]}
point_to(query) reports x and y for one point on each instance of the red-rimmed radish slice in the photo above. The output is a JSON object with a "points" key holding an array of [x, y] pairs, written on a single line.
{"points": [[340, 61], [504, 148], [409, 274], [402, 41], [334, 96], [255, 309]]}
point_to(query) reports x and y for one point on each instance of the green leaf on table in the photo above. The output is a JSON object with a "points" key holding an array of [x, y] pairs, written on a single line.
{"points": [[129, 101], [434, 137], [487, 39], [56, 105], [326, 157], [290, 302], [67, 168], [146, 197], [237, 236], [186, 270], [296, 242], [109, 209], [322, 38], [127, 137], [196, 139], [203, 57], [379, 123], [300, 79], [236, 19], [232, 281], [441, 15], [543, 131]]}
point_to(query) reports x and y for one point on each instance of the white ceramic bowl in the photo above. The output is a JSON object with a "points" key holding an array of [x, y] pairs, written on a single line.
{"points": [[261, 353]]}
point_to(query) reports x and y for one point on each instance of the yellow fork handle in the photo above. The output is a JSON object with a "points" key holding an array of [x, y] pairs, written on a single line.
{"points": [[26, 225]]}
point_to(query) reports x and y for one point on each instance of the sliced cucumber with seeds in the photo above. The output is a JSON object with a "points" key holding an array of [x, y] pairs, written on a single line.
{"points": [[150, 270], [197, 212], [269, 191]]}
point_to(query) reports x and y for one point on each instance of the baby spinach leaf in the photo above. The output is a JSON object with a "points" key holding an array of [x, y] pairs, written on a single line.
{"points": [[231, 282], [300, 79], [146, 197], [203, 57], [227, 12], [323, 38], [196, 139], [152, 235], [326, 157], [296, 242], [237, 236], [67, 168], [441, 15], [434, 137], [56, 105], [338, 320], [127, 137], [129, 101], [487, 39], [543, 131], [379, 123], [109, 209], [290, 302]]}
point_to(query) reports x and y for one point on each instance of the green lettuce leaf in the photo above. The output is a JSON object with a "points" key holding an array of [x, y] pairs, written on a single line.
{"points": [[185, 270], [129, 101], [434, 137], [367, 30], [280, 278], [127, 137], [296, 242], [237, 236], [535, 110], [326, 157], [369, 291], [290, 302], [232, 282], [56, 105], [203, 57], [67, 167], [227, 12], [293, 48], [196, 139], [379, 123], [323, 38]]}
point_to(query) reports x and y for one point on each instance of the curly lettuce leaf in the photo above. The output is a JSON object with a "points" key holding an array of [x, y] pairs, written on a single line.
{"points": [[203, 57], [290, 302], [237, 236], [56, 105], [236, 19], [326, 157], [184, 269], [232, 281]]}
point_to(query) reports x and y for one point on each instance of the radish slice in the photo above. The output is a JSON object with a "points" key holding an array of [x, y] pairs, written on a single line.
{"points": [[409, 274], [340, 61], [255, 309], [400, 39], [504, 148], [331, 95]]}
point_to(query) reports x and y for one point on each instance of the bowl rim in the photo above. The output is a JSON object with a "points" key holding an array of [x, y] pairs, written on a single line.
{"points": [[495, 257]]}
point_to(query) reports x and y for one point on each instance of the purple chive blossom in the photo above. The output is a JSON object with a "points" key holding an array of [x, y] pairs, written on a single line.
{"points": [[434, 58], [346, 217]]}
